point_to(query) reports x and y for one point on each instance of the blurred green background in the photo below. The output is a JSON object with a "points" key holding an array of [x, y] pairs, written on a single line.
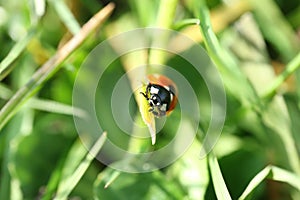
{"points": [[255, 46]]}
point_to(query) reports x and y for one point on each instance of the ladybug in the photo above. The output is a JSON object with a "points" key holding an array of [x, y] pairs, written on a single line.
{"points": [[161, 94]]}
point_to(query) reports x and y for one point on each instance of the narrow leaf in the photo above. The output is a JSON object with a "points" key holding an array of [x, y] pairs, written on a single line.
{"points": [[6, 64], [274, 173], [66, 16], [75, 168], [217, 178]]}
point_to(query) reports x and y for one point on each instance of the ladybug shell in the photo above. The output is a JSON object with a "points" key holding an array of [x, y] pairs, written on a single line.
{"points": [[169, 85]]}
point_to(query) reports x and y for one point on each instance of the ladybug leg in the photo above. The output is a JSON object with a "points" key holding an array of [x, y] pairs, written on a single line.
{"points": [[144, 95], [151, 109]]}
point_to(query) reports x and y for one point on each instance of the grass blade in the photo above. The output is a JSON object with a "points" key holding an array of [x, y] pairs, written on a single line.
{"points": [[53, 181], [66, 16], [165, 17], [19, 127], [55, 107], [283, 175], [52, 65], [276, 118], [255, 182], [274, 173], [45, 104], [217, 178], [231, 72], [186, 22], [6, 64], [291, 67], [166, 13], [113, 177], [275, 28], [75, 167]]}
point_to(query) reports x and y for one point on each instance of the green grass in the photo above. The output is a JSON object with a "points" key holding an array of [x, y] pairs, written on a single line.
{"points": [[43, 46]]}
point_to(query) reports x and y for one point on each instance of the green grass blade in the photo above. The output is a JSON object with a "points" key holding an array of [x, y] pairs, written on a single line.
{"points": [[146, 11], [166, 13], [281, 35], [225, 63], [164, 19], [275, 28], [112, 178], [76, 166], [45, 104], [274, 173], [53, 182], [55, 107], [283, 175], [217, 178], [6, 64], [262, 175], [276, 118], [66, 16], [52, 65], [18, 128], [291, 67], [186, 22]]}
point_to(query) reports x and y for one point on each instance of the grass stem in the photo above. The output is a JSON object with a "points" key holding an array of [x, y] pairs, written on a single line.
{"points": [[291, 67]]}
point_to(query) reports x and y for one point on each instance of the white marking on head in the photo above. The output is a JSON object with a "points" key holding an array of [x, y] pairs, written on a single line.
{"points": [[154, 90]]}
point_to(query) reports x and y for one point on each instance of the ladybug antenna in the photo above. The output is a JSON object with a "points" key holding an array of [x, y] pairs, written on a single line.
{"points": [[144, 95]]}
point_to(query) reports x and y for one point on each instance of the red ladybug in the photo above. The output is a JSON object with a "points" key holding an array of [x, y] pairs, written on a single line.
{"points": [[161, 94]]}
